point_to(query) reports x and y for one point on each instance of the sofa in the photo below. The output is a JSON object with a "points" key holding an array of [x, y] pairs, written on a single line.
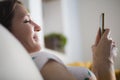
{"points": [[15, 62]]}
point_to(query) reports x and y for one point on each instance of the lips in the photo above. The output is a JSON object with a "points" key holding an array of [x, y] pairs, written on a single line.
{"points": [[36, 38]]}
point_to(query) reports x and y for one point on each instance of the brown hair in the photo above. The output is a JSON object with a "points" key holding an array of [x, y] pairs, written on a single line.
{"points": [[7, 8]]}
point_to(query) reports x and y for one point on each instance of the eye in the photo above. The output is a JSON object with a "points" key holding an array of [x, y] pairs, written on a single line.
{"points": [[27, 21]]}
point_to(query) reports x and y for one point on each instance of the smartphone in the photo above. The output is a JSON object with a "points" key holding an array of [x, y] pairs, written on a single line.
{"points": [[102, 29]]}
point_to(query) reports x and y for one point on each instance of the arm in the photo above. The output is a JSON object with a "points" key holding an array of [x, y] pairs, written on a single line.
{"points": [[55, 71], [103, 54]]}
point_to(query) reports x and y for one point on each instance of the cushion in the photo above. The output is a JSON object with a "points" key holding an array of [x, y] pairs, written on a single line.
{"points": [[15, 62]]}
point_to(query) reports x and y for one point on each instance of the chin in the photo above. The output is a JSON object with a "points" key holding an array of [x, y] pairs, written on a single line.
{"points": [[38, 48], [35, 49]]}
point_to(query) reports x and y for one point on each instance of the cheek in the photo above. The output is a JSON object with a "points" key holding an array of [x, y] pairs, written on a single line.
{"points": [[26, 35], [22, 32]]}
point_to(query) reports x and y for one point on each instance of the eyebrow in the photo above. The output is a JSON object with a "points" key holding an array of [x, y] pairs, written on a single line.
{"points": [[23, 15]]}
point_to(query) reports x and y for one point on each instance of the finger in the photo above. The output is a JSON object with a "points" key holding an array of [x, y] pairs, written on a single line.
{"points": [[98, 37], [106, 33], [113, 43], [115, 51], [93, 48], [110, 38], [114, 48]]}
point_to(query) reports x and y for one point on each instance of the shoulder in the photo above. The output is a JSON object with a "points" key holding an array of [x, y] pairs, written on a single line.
{"points": [[41, 58]]}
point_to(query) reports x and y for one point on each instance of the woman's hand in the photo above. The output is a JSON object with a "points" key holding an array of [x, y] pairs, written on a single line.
{"points": [[104, 51]]}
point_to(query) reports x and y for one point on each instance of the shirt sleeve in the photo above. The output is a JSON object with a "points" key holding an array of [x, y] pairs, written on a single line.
{"points": [[41, 58], [81, 73]]}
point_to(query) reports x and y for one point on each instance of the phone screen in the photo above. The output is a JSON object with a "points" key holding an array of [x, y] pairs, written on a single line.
{"points": [[102, 23]]}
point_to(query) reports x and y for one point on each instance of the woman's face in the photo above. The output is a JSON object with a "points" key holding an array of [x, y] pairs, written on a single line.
{"points": [[25, 29]]}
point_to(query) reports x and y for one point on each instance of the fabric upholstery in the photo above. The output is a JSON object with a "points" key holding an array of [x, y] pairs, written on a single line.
{"points": [[15, 62]]}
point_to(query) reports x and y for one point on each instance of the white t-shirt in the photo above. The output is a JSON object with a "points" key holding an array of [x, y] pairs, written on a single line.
{"points": [[80, 73]]}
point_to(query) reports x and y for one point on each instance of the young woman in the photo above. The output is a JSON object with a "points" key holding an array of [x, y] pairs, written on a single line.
{"points": [[18, 21]]}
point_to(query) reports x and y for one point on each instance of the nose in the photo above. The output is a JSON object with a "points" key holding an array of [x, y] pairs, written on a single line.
{"points": [[36, 27]]}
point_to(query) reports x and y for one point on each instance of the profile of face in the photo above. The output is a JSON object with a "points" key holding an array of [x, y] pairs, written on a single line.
{"points": [[25, 29]]}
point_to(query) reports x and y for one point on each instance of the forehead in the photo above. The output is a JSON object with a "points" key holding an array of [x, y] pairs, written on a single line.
{"points": [[20, 11]]}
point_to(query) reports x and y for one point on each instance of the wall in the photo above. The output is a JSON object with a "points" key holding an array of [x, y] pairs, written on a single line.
{"points": [[61, 16], [72, 30], [52, 16], [80, 24], [89, 12]]}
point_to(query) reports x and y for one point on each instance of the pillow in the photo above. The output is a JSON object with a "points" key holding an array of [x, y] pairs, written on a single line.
{"points": [[15, 62]]}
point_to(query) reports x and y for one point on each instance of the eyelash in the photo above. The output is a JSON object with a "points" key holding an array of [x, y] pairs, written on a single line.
{"points": [[26, 21]]}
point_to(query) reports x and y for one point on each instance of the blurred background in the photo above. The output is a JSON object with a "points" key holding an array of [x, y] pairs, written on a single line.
{"points": [[77, 21]]}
